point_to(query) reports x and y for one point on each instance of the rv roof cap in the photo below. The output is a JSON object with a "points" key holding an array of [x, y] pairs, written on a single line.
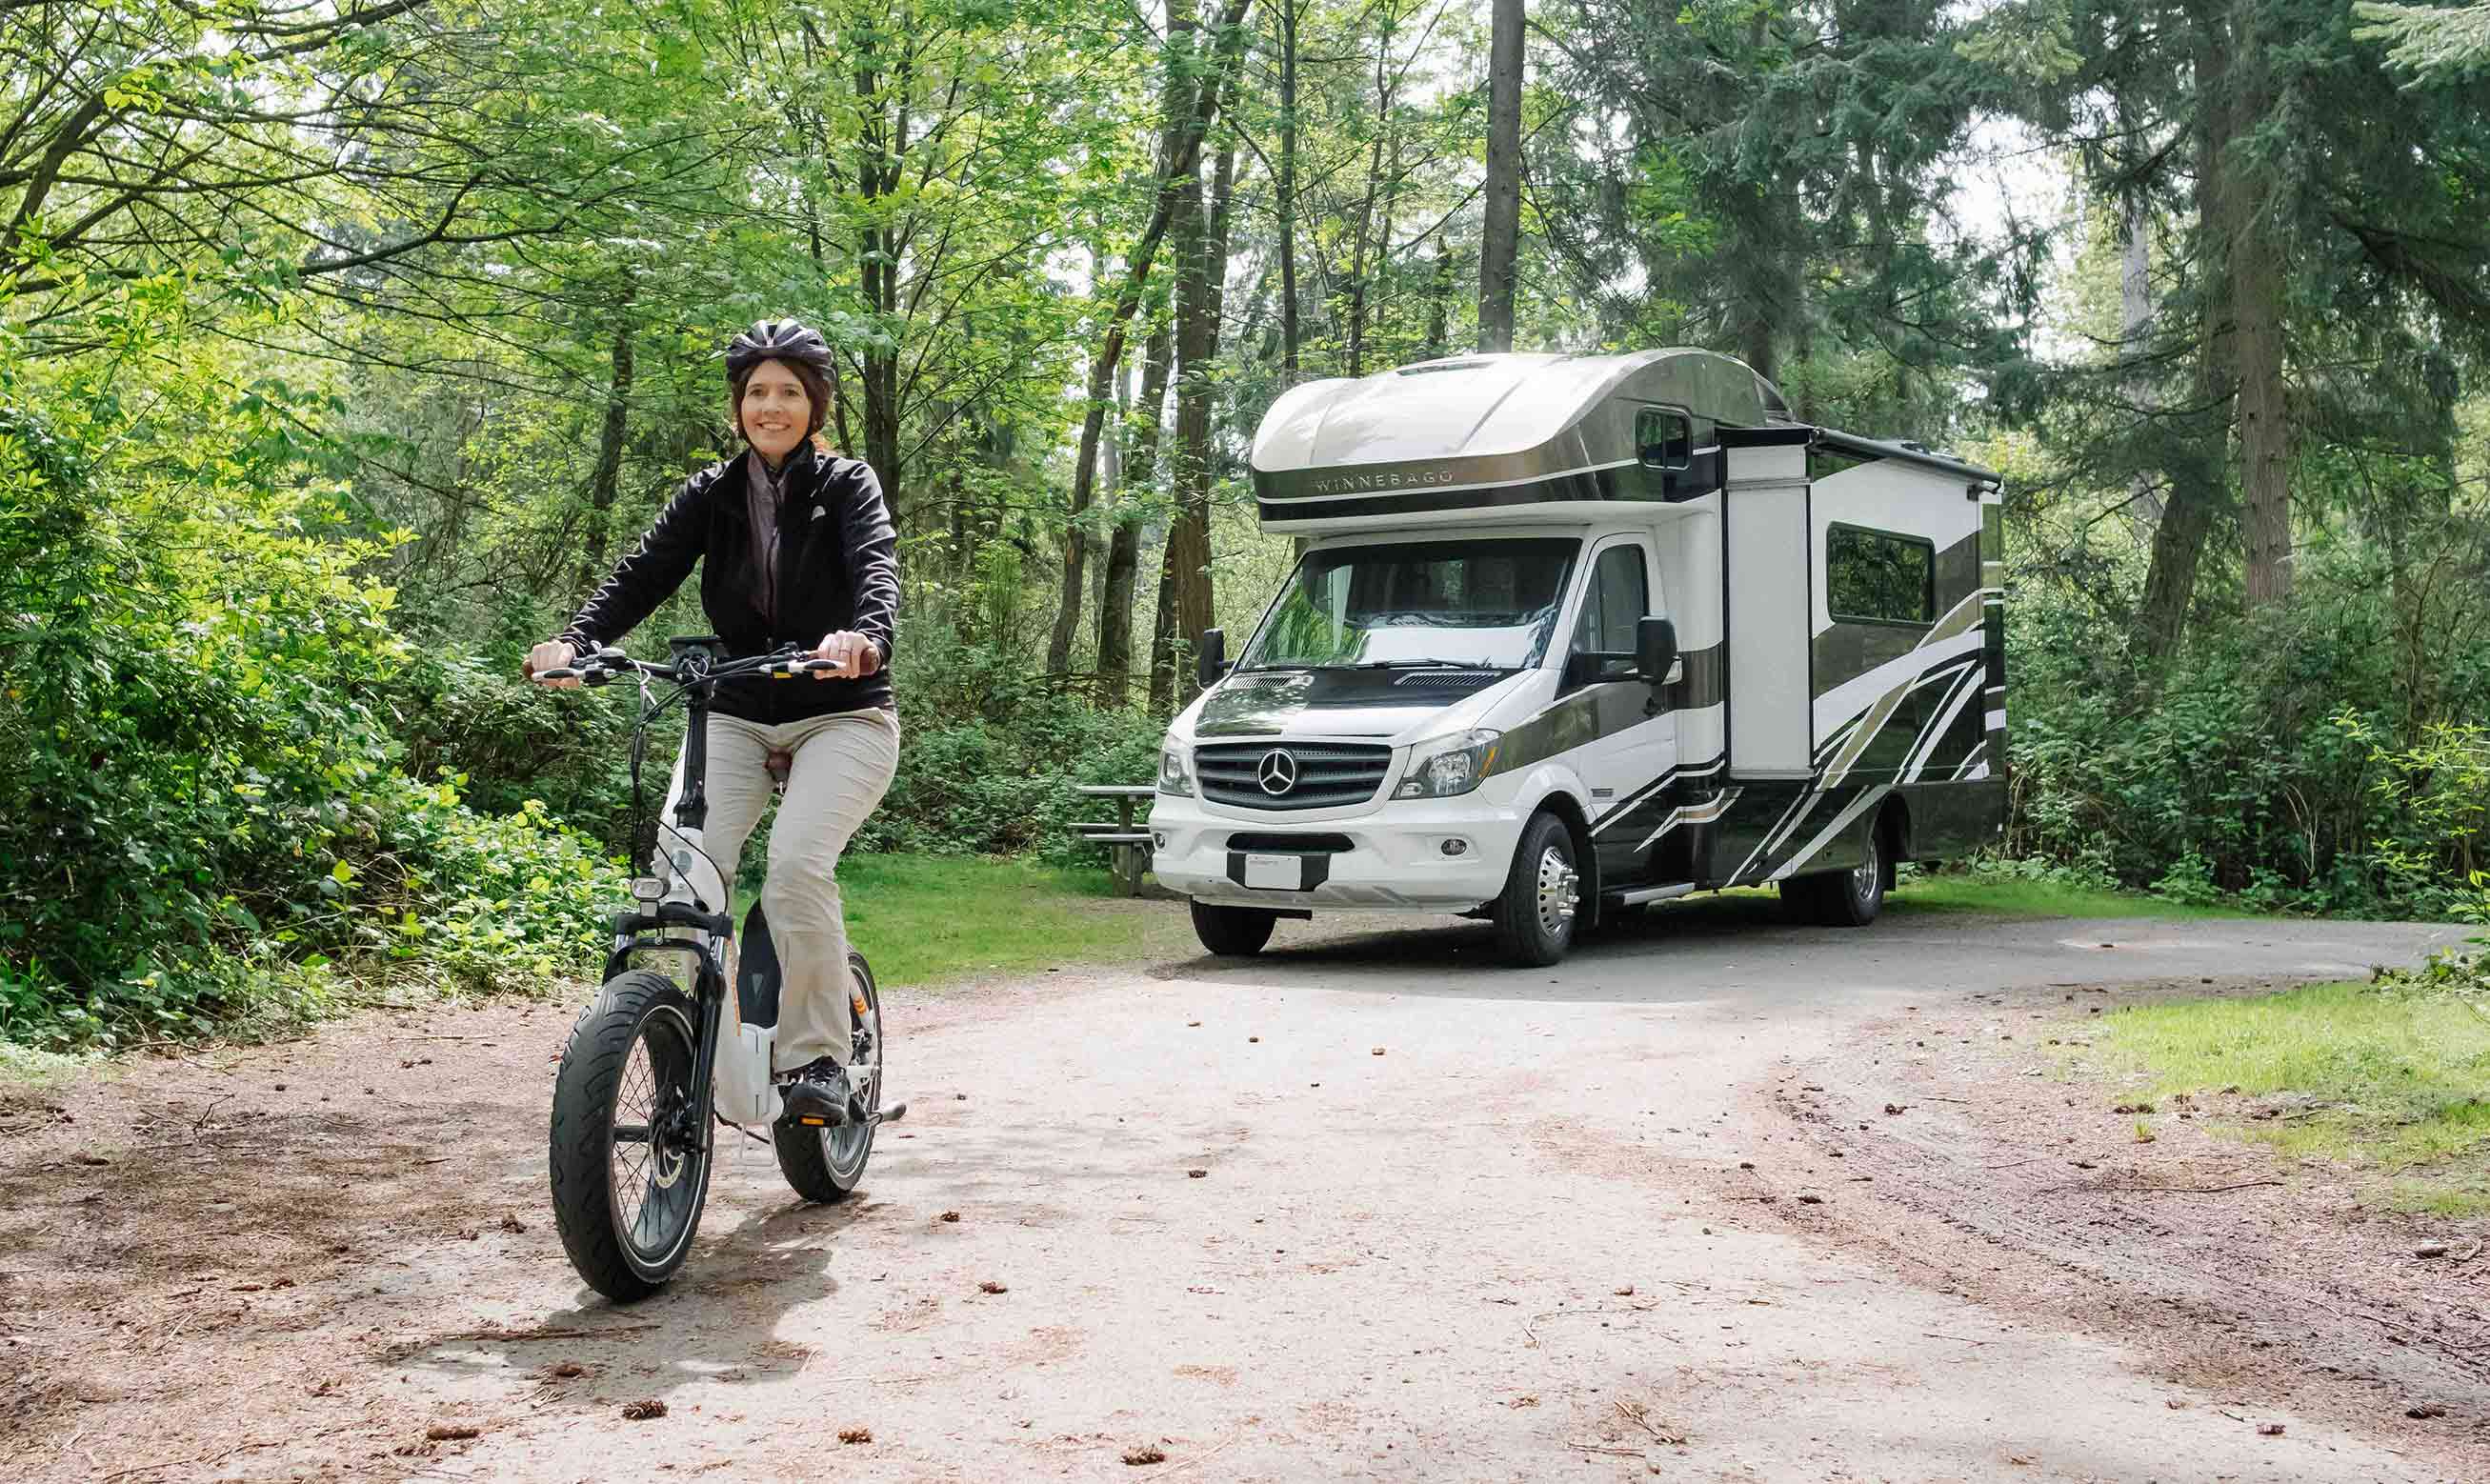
{"points": [[1497, 407]]}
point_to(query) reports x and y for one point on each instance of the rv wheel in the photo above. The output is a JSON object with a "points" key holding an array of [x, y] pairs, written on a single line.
{"points": [[1536, 912], [1849, 898]]}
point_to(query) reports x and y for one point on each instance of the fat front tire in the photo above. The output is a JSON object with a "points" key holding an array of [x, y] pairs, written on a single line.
{"points": [[1536, 913], [629, 1156], [1233, 932], [824, 1164]]}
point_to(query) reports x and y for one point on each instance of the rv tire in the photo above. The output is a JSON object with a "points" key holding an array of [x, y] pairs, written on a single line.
{"points": [[1233, 932], [1536, 913], [1849, 898]]}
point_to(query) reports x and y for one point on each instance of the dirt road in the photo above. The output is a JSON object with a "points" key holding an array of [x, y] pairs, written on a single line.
{"points": [[1365, 1207]]}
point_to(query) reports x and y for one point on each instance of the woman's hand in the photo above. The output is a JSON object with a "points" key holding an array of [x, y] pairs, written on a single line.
{"points": [[552, 655], [852, 655]]}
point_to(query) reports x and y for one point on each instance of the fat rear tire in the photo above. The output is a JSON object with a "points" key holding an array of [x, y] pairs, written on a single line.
{"points": [[622, 1251], [1233, 932], [827, 1164], [1536, 913]]}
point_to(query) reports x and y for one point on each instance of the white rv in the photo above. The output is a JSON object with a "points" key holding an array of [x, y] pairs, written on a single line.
{"points": [[1573, 633]]}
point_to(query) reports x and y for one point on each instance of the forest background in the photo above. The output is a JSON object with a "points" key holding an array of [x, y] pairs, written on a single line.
{"points": [[345, 343]]}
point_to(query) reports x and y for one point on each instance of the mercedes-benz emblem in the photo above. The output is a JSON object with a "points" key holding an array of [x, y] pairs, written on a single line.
{"points": [[1277, 771]]}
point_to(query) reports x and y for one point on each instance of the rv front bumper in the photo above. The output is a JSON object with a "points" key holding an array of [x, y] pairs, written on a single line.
{"points": [[1441, 855]]}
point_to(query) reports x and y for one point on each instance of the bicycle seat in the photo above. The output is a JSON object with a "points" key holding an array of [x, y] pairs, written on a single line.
{"points": [[779, 762]]}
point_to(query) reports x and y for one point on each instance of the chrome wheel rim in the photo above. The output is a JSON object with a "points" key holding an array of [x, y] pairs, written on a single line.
{"points": [[1866, 877], [1556, 897]]}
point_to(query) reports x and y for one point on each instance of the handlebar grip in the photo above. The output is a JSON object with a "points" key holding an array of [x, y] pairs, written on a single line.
{"points": [[558, 673]]}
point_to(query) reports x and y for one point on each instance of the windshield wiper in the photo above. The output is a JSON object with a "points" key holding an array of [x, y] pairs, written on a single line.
{"points": [[1411, 665]]}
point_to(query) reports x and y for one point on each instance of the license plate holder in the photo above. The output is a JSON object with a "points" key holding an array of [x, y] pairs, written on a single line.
{"points": [[1274, 872]]}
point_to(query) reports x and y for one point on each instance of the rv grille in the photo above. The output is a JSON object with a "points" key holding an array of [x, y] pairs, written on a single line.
{"points": [[1327, 774]]}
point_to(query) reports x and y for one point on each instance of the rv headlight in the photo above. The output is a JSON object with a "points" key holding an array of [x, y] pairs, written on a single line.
{"points": [[1175, 773], [1445, 766]]}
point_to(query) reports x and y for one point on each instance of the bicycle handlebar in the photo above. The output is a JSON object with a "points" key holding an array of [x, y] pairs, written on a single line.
{"points": [[781, 664]]}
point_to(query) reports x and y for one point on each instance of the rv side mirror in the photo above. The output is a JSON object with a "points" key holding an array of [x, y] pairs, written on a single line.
{"points": [[1214, 656], [1655, 649]]}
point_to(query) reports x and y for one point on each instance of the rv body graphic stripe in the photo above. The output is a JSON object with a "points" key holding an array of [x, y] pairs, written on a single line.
{"points": [[1961, 675], [1628, 483], [1952, 708], [1608, 706], [1840, 822], [1683, 774], [1704, 813]]}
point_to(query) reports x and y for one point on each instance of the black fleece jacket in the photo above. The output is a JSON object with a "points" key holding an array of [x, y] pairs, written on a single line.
{"points": [[838, 568]]}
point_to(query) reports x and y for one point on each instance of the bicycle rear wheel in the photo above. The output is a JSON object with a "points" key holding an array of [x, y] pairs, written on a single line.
{"points": [[824, 1164], [630, 1154]]}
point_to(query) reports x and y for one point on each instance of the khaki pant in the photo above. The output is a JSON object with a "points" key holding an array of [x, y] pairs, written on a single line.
{"points": [[843, 765]]}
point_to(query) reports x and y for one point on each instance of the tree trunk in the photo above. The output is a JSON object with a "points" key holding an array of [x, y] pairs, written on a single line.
{"points": [[1288, 194], [2135, 325], [2256, 270], [1124, 546], [2196, 474], [1177, 549], [1111, 485], [1185, 607], [607, 480], [1364, 256], [2265, 426], [1503, 177], [1187, 555], [2177, 547], [1179, 169], [1439, 302], [881, 144]]}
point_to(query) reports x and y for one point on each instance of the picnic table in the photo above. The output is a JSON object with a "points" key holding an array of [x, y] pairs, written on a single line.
{"points": [[1128, 844]]}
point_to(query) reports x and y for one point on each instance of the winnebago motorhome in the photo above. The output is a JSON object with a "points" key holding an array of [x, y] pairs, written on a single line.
{"points": [[1573, 633]]}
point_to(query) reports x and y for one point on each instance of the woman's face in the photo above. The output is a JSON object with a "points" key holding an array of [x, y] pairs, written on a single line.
{"points": [[774, 413]]}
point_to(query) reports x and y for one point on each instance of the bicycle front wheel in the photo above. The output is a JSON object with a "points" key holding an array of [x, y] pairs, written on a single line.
{"points": [[824, 1164], [630, 1154]]}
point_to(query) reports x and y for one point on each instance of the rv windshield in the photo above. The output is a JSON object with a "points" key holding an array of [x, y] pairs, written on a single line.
{"points": [[1478, 604]]}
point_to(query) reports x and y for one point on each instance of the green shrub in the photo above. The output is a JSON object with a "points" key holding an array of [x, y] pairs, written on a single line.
{"points": [[203, 822], [2275, 762], [979, 787]]}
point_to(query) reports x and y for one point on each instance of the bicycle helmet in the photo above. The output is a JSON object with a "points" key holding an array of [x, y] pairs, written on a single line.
{"points": [[777, 339]]}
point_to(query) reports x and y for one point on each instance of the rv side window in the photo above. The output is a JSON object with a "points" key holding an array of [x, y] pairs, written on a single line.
{"points": [[1618, 598], [1666, 438], [1879, 578]]}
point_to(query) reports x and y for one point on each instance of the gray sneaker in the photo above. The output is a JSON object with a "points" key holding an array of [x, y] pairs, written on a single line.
{"points": [[816, 1094]]}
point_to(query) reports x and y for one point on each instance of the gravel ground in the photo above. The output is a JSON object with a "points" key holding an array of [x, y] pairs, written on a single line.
{"points": [[1367, 1206]]}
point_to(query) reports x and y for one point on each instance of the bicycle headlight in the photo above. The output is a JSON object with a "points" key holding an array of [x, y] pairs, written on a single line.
{"points": [[1176, 770], [1454, 764]]}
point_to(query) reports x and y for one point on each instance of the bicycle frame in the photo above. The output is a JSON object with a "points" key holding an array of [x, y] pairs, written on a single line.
{"points": [[698, 670]]}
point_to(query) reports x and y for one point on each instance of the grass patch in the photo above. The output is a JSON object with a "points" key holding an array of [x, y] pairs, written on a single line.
{"points": [[2020, 896], [928, 920], [2387, 1080]]}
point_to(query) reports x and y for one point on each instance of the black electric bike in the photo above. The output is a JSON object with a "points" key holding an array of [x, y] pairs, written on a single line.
{"points": [[634, 1106]]}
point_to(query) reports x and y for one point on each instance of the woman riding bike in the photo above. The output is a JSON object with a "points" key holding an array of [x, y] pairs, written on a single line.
{"points": [[796, 546]]}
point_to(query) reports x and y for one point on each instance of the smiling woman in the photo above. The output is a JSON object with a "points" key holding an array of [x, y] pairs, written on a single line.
{"points": [[796, 549]]}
